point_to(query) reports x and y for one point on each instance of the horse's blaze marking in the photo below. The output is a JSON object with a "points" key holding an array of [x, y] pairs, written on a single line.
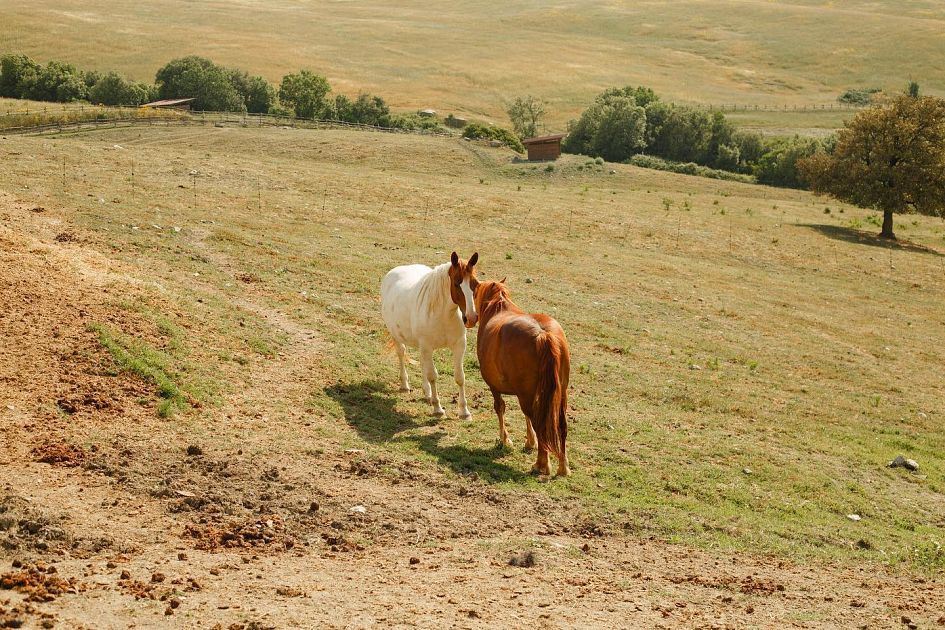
{"points": [[470, 302]]}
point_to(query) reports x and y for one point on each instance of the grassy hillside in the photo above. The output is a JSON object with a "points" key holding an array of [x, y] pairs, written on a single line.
{"points": [[746, 359], [469, 56]]}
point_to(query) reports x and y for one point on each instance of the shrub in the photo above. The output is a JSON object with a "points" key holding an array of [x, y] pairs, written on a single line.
{"points": [[687, 168], [861, 96], [366, 110], [477, 131], [778, 165]]}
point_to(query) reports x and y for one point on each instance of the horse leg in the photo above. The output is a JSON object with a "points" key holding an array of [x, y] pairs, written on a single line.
{"points": [[499, 406], [564, 468], [531, 440], [402, 354], [541, 465], [429, 384], [460, 376]]}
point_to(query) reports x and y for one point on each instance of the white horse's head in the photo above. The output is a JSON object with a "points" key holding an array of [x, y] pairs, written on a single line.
{"points": [[463, 285]]}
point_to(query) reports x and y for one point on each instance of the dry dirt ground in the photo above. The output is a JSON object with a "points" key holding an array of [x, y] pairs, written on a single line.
{"points": [[202, 524]]}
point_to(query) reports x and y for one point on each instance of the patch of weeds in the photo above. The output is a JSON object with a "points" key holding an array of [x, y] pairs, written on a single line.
{"points": [[855, 223], [261, 346], [714, 363], [147, 363], [827, 210], [584, 368], [508, 256], [928, 557], [874, 219], [550, 168], [667, 204]]}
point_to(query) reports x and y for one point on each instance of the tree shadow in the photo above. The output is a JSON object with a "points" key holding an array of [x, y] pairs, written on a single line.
{"points": [[370, 409], [862, 237]]}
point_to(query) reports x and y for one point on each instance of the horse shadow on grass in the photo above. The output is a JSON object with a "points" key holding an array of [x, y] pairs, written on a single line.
{"points": [[370, 408], [862, 237]]}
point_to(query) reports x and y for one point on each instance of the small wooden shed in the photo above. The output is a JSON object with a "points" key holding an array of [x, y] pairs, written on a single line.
{"points": [[541, 148]]}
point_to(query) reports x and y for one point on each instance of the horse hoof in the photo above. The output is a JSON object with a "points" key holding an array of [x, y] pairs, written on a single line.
{"points": [[564, 473], [537, 470], [528, 448], [465, 415], [503, 446], [438, 413], [405, 388]]}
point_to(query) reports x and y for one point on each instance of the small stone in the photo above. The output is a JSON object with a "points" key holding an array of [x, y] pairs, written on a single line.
{"points": [[125, 575], [359, 509], [313, 507], [168, 611], [157, 577], [586, 548], [194, 450], [175, 603], [110, 565], [902, 462], [854, 517], [524, 560], [747, 471], [181, 556], [528, 280], [414, 560]]}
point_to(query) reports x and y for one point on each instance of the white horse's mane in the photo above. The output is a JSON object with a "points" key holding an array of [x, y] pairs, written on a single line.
{"points": [[433, 290]]}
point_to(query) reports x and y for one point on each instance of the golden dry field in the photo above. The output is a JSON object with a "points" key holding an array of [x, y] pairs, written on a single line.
{"points": [[470, 57]]}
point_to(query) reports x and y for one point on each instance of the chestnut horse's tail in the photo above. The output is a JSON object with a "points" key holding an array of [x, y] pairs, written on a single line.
{"points": [[550, 419]]}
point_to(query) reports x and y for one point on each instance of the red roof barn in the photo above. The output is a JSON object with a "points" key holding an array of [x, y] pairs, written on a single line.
{"points": [[544, 147]]}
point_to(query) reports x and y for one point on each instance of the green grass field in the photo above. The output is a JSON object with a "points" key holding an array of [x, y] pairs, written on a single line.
{"points": [[470, 57], [746, 360]]}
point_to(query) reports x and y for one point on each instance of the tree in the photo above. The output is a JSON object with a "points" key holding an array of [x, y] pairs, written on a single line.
{"points": [[257, 94], [306, 93], [113, 89], [367, 110], [17, 73], [913, 89], [778, 166], [526, 114], [890, 157], [613, 127], [201, 79]]}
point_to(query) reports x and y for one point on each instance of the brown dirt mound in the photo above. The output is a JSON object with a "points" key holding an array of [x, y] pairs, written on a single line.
{"points": [[265, 531], [39, 583], [60, 454]]}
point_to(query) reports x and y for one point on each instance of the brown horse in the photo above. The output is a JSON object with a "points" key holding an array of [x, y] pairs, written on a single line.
{"points": [[525, 355]]}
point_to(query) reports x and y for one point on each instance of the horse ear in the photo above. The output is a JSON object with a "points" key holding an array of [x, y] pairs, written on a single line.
{"points": [[454, 259], [473, 260], [502, 281]]}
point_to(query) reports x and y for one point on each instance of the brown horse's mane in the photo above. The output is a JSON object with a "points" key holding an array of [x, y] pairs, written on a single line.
{"points": [[500, 298]]}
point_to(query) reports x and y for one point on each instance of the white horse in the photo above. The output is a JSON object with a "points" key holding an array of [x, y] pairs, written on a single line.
{"points": [[426, 309]]}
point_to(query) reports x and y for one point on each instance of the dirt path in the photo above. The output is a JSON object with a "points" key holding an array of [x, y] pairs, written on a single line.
{"points": [[239, 533]]}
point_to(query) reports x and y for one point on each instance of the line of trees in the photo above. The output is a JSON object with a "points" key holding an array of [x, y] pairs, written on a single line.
{"points": [[633, 120], [213, 87]]}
